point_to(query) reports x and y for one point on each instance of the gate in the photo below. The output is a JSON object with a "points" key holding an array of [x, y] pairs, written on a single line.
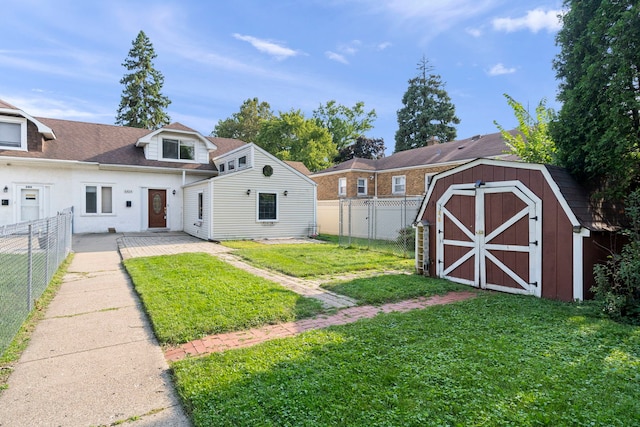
{"points": [[489, 236]]}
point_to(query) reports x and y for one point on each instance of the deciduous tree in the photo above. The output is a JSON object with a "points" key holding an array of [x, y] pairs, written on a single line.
{"points": [[245, 124], [142, 104], [343, 123], [428, 115], [291, 136], [598, 128], [364, 148], [532, 143]]}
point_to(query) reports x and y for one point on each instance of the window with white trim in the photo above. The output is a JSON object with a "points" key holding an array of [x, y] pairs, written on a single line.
{"points": [[242, 162], [177, 149], [231, 165], [342, 186], [13, 133], [98, 199], [221, 167], [200, 204], [267, 206], [362, 186], [398, 184]]}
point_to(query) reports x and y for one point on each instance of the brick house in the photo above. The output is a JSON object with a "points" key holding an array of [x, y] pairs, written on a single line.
{"points": [[407, 173]]}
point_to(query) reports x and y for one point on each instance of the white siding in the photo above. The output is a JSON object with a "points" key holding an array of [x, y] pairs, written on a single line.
{"points": [[246, 150], [192, 224], [235, 212], [64, 186]]}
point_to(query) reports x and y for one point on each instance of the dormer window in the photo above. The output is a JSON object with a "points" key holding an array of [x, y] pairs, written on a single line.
{"points": [[242, 162], [177, 149], [13, 133], [221, 167], [231, 165]]}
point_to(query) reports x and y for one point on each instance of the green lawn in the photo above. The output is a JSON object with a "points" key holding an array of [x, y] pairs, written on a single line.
{"points": [[317, 259], [495, 360], [192, 295], [393, 287]]}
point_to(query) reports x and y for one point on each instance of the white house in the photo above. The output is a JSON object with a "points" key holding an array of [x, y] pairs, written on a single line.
{"points": [[254, 196], [120, 178]]}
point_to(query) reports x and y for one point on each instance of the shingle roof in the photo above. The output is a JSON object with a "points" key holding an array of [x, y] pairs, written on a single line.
{"points": [[299, 166], [109, 144], [479, 146], [4, 104]]}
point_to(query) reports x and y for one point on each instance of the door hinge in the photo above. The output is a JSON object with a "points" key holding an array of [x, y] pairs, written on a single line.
{"points": [[535, 218], [534, 243], [534, 284]]}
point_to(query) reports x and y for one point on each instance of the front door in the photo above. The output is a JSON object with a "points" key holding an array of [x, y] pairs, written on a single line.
{"points": [[29, 204], [489, 237], [157, 208]]}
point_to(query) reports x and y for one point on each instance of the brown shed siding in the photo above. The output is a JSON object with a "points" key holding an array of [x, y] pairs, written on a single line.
{"points": [[557, 232]]}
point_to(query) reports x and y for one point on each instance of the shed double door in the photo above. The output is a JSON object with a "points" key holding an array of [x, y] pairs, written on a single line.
{"points": [[490, 237]]}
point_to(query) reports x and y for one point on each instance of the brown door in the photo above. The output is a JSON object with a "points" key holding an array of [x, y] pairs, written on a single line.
{"points": [[157, 208]]}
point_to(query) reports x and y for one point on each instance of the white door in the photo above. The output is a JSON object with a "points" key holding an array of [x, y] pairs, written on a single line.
{"points": [[490, 237], [29, 204]]}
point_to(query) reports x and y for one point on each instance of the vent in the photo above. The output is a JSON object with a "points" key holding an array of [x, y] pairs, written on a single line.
{"points": [[476, 137]]}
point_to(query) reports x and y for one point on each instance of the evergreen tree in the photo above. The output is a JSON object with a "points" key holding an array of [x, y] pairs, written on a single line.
{"points": [[598, 128], [245, 124], [428, 115], [142, 104]]}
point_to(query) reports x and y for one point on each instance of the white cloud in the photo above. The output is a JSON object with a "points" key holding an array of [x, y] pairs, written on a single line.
{"points": [[43, 106], [383, 45], [265, 46], [475, 32], [535, 20], [336, 57], [499, 69]]}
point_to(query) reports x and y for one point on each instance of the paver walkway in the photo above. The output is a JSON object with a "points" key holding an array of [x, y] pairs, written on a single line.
{"points": [[247, 338], [131, 246]]}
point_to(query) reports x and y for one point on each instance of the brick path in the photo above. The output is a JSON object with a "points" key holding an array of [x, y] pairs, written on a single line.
{"points": [[233, 340]]}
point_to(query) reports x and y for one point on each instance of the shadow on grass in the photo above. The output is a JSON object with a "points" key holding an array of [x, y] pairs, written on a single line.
{"points": [[492, 360]]}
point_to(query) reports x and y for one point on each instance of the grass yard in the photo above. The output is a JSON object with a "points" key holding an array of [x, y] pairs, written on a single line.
{"points": [[494, 360], [316, 259], [191, 295], [393, 287]]}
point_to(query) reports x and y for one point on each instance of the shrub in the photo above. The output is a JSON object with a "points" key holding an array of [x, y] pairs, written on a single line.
{"points": [[617, 286]]}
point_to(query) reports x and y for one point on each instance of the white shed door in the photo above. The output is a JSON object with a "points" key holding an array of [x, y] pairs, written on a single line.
{"points": [[490, 237]]}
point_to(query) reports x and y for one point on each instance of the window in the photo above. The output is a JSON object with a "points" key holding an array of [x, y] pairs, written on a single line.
{"points": [[242, 162], [98, 199], [362, 186], [178, 149], [342, 186], [427, 181], [398, 184], [267, 207], [221, 167], [200, 204], [231, 165], [13, 134]]}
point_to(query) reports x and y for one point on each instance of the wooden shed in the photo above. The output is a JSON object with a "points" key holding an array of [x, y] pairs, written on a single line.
{"points": [[513, 227]]}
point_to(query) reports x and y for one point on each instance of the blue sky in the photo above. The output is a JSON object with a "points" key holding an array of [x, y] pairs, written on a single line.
{"points": [[63, 59]]}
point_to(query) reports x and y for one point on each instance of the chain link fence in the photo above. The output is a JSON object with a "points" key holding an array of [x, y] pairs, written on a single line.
{"points": [[30, 254], [380, 224]]}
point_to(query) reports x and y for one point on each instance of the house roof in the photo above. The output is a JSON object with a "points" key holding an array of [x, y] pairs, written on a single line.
{"points": [[108, 144], [299, 166], [479, 146]]}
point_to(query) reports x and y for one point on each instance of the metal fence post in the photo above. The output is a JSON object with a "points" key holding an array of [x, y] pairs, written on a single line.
{"points": [[30, 268]]}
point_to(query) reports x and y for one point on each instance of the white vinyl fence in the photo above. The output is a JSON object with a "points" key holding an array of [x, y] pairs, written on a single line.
{"points": [[373, 223]]}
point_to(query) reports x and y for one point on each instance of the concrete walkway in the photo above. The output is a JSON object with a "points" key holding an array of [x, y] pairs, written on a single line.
{"points": [[93, 360]]}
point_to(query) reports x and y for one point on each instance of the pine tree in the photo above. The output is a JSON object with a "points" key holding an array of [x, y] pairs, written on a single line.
{"points": [[428, 115], [142, 104]]}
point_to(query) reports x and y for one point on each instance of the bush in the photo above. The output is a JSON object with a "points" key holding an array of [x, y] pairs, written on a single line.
{"points": [[617, 286], [406, 238]]}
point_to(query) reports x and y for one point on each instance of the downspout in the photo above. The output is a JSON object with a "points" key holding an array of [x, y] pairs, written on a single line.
{"points": [[184, 177], [375, 183]]}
